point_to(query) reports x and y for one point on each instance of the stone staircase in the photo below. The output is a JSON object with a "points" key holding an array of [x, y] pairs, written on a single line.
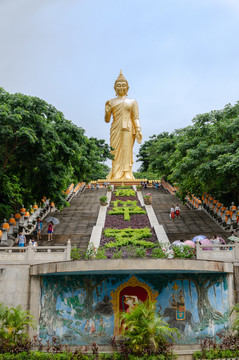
{"points": [[191, 223], [76, 221]]}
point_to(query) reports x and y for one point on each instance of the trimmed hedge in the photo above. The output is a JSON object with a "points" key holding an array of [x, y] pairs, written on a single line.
{"points": [[36, 355]]}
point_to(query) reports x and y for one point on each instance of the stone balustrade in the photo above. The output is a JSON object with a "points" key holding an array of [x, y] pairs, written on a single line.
{"points": [[168, 187], [35, 254], [226, 253], [27, 220], [228, 218]]}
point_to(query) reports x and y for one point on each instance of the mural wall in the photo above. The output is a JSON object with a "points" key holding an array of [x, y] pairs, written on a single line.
{"points": [[80, 310]]}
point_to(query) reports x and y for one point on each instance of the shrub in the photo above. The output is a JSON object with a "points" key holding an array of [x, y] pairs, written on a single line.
{"points": [[144, 331], [77, 254], [90, 252], [100, 253], [103, 199], [140, 252], [183, 252], [14, 324], [124, 192], [235, 324], [117, 254], [158, 253]]}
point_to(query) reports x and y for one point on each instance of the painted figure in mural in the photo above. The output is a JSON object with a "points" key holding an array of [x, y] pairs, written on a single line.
{"points": [[101, 327], [180, 311], [180, 297], [131, 301], [87, 326], [92, 327], [173, 302], [124, 129]]}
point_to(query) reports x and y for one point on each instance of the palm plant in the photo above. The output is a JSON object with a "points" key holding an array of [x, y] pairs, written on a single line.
{"points": [[14, 323], [145, 332], [235, 324]]}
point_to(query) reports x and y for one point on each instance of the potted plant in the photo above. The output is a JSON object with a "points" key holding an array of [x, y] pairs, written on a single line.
{"points": [[103, 200], [148, 199], [139, 187], [109, 188]]}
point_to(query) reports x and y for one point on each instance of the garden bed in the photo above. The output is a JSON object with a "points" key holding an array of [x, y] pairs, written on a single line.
{"points": [[130, 243]]}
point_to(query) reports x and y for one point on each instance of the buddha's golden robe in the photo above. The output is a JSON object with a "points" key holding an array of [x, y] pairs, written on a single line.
{"points": [[122, 135]]}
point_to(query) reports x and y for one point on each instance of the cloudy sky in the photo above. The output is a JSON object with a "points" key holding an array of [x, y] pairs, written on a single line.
{"points": [[180, 57]]}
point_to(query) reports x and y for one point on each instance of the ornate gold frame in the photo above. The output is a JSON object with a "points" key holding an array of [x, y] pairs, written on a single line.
{"points": [[133, 281]]}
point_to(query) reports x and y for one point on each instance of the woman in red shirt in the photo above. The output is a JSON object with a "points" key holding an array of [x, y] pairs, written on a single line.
{"points": [[50, 230]]}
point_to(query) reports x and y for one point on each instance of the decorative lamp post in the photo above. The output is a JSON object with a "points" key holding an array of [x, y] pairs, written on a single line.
{"points": [[5, 230], [32, 215], [12, 223], [26, 218], [17, 218], [36, 210], [22, 212]]}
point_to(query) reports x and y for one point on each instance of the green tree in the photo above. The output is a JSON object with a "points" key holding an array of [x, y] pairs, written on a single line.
{"points": [[203, 157], [42, 152]]}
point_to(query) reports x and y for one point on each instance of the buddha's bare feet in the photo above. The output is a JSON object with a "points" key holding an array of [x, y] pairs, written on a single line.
{"points": [[127, 175]]}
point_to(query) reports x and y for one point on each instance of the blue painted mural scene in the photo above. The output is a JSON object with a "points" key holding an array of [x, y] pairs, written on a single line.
{"points": [[79, 310]]}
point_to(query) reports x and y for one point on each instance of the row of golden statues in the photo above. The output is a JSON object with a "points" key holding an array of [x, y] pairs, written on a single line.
{"points": [[125, 128]]}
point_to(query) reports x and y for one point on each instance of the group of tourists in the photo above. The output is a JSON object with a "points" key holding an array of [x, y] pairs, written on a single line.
{"points": [[156, 184], [38, 230], [175, 212], [21, 239]]}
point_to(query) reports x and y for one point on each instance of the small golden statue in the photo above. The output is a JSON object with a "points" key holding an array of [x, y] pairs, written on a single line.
{"points": [[124, 129]]}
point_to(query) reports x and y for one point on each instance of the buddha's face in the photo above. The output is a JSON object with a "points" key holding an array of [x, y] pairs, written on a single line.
{"points": [[121, 88]]}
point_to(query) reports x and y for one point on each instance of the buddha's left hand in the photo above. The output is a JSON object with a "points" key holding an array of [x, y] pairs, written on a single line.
{"points": [[139, 137]]}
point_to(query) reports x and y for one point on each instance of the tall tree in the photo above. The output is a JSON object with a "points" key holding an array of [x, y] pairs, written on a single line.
{"points": [[201, 157], [42, 152]]}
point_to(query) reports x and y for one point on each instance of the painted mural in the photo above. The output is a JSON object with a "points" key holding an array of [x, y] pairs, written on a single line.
{"points": [[79, 310]]}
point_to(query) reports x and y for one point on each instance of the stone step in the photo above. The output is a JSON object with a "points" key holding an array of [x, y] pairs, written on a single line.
{"points": [[77, 221], [191, 222]]}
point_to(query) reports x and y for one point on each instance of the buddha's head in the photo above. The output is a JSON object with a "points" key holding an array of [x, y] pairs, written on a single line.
{"points": [[121, 85]]}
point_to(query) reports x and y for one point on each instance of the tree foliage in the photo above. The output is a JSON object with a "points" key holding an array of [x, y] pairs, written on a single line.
{"points": [[203, 157], [42, 152], [145, 332], [14, 323]]}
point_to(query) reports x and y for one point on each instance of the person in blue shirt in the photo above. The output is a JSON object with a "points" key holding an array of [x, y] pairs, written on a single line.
{"points": [[39, 229], [21, 241]]}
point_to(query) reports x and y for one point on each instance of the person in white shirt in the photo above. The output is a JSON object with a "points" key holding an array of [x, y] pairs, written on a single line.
{"points": [[177, 210]]}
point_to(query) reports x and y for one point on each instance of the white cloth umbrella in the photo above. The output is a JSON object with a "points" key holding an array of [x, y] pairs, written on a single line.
{"points": [[52, 219]]}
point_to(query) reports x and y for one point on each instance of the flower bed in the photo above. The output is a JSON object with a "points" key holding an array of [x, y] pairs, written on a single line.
{"points": [[123, 198], [129, 243], [118, 222]]}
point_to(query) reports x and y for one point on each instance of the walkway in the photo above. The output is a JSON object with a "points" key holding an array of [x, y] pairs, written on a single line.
{"points": [[191, 223], [76, 221]]}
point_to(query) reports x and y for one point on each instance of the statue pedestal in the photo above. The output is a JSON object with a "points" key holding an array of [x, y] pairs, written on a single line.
{"points": [[122, 182]]}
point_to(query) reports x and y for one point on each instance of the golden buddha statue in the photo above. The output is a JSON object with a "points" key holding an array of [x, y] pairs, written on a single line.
{"points": [[124, 129]]}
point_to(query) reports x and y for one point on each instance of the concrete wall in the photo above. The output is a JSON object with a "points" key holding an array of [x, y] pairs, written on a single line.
{"points": [[22, 283], [14, 285]]}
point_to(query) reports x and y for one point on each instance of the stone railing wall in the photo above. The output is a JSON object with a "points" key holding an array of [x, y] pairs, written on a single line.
{"points": [[35, 254], [226, 217], [226, 253], [27, 224]]}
